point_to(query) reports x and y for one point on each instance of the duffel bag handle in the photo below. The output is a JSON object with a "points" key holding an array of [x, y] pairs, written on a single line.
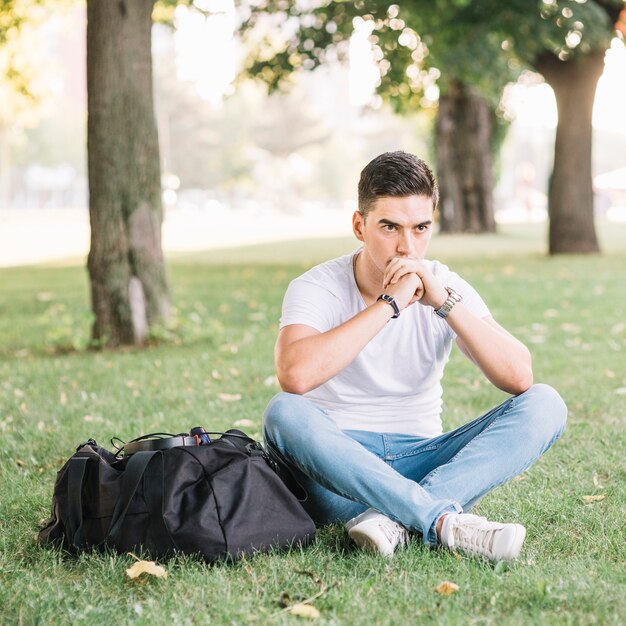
{"points": [[163, 441], [140, 466]]}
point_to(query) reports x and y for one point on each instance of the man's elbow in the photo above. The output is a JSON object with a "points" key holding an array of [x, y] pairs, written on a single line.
{"points": [[522, 382], [292, 383]]}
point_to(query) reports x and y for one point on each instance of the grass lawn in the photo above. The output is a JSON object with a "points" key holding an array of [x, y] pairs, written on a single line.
{"points": [[569, 310]]}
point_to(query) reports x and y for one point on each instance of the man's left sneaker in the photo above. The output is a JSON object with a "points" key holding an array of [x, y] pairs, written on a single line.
{"points": [[374, 531]]}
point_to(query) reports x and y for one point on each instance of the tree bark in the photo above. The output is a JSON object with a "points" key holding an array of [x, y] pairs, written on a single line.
{"points": [[570, 196], [126, 268], [464, 134]]}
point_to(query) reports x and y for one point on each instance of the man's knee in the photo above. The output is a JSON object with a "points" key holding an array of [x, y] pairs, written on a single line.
{"points": [[546, 410], [283, 414]]}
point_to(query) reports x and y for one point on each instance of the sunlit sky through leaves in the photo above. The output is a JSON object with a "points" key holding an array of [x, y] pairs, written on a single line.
{"points": [[208, 55]]}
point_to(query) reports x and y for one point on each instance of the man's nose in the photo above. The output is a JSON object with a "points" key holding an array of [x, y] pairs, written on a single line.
{"points": [[405, 243]]}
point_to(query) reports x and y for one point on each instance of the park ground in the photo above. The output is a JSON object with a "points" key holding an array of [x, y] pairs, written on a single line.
{"points": [[213, 366]]}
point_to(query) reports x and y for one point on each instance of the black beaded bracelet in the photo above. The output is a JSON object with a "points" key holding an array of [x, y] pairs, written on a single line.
{"points": [[390, 300]]}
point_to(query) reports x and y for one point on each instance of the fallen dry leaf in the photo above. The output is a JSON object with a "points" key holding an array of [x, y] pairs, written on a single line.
{"points": [[229, 397], [446, 588], [590, 499], [304, 610], [146, 567], [229, 347], [596, 482], [216, 375], [245, 423]]}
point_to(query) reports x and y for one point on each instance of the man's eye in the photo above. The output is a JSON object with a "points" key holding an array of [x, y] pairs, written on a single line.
{"points": [[389, 227], [422, 227]]}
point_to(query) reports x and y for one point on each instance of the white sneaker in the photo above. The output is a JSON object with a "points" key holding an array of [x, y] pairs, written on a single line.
{"points": [[374, 531], [478, 536]]}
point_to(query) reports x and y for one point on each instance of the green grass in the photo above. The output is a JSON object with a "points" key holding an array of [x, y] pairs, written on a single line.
{"points": [[569, 310]]}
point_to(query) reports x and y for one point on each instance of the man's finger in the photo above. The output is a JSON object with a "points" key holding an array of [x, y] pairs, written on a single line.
{"points": [[397, 274]]}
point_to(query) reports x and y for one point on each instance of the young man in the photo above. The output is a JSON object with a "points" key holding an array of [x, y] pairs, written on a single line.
{"points": [[360, 356]]}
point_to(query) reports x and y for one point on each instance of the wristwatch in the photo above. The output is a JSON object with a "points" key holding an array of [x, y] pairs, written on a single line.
{"points": [[451, 300], [390, 300]]}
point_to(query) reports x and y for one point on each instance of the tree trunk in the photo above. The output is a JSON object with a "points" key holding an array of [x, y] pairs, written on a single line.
{"points": [[570, 196], [126, 268], [464, 133]]}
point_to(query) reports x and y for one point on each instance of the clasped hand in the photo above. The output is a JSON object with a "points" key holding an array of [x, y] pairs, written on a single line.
{"points": [[409, 281]]}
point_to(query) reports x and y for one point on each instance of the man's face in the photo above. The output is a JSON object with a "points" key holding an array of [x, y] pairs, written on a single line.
{"points": [[394, 227]]}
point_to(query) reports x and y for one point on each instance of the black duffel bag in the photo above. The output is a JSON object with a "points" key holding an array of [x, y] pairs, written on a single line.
{"points": [[218, 500]]}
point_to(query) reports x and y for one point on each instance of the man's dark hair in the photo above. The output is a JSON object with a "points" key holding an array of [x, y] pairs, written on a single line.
{"points": [[396, 174]]}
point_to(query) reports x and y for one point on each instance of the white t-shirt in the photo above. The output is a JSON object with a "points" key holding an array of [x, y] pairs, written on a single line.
{"points": [[394, 384]]}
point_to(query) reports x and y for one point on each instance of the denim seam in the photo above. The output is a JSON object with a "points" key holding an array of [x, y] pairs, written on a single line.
{"points": [[509, 476], [427, 479], [404, 455], [428, 538], [315, 476], [461, 430]]}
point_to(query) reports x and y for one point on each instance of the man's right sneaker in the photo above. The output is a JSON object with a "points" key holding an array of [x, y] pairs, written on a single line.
{"points": [[374, 531], [480, 537]]}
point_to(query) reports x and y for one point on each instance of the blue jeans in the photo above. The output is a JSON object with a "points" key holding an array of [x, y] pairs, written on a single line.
{"points": [[413, 480]]}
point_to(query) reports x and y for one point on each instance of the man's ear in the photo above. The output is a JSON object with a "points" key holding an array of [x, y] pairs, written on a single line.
{"points": [[358, 223]]}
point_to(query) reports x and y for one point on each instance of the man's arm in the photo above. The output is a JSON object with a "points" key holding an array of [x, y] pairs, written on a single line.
{"points": [[505, 361], [306, 358]]}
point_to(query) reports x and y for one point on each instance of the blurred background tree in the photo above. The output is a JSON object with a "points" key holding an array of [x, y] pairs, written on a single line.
{"points": [[566, 42], [126, 269], [129, 291], [416, 45], [227, 146], [472, 50]]}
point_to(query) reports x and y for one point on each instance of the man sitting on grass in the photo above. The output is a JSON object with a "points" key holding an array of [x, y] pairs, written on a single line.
{"points": [[360, 356]]}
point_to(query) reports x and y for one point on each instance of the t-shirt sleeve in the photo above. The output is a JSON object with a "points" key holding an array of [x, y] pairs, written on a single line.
{"points": [[308, 303]]}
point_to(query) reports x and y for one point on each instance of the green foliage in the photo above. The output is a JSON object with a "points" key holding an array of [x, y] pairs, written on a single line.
{"points": [[20, 97], [11, 18], [571, 567], [563, 28], [413, 43], [483, 44]]}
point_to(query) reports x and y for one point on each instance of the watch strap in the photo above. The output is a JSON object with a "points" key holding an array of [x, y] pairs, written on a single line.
{"points": [[390, 300], [452, 299]]}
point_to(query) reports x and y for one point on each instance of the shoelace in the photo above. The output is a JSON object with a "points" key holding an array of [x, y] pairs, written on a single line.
{"points": [[393, 532], [473, 538]]}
